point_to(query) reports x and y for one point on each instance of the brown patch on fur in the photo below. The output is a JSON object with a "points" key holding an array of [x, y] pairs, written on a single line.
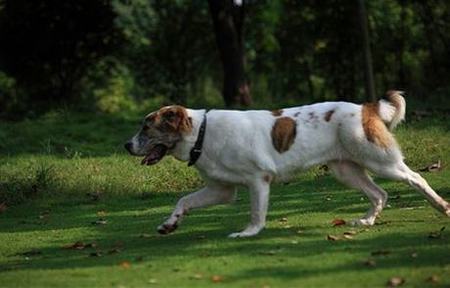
{"points": [[267, 178], [174, 118], [283, 134], [277, 112], [374, 128], [328, 115]]}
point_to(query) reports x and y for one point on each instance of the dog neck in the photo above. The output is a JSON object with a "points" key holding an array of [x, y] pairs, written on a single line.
{"points": [[182, 149]]}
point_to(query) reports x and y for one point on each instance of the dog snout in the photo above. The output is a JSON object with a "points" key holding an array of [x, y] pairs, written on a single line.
{"points": [[128, 146]]}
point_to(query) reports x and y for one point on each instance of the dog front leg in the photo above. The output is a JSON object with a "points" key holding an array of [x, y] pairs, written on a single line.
{"points": [[259, 198], [209, 195]]}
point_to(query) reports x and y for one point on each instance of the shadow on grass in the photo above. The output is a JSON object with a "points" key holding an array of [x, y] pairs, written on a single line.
{"points": [[132, 223]]}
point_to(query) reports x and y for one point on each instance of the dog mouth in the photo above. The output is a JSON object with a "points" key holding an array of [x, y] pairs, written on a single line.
{"points": [[155, 155]]}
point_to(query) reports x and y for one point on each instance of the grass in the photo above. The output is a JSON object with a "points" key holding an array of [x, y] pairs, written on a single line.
{"points": [[62, 172]]}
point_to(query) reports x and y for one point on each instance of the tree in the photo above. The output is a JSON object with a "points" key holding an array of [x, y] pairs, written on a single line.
{"points": [[47, 46], [228, 19], [368, 70]]}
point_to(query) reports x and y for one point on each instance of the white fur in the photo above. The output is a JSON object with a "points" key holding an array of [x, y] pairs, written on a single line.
{"points": [[238, 150]]}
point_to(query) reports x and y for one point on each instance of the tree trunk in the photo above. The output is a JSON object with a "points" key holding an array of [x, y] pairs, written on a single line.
{"points": [[368, 70], [228, 20]]}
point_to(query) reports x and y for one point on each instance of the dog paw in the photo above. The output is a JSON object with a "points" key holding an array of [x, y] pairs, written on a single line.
{"points": [[167, 228], [362, 222], [248, 232], [241, 235]]}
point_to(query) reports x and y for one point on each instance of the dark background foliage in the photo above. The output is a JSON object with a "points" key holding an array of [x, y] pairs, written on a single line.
{"points": [[116, 55]]}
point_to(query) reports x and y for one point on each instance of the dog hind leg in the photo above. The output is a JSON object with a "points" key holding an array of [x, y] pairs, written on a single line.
{"points": [[355, 176], [401, 172]]}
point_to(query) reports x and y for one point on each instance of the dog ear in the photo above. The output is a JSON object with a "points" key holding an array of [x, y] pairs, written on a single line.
{"points": [[177, 120]]}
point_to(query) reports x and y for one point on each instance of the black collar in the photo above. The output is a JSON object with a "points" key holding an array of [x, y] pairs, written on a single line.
{"points": [[196, 151]]}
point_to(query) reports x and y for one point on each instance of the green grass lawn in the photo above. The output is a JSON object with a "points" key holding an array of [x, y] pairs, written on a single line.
{"points": [[61, 173]]}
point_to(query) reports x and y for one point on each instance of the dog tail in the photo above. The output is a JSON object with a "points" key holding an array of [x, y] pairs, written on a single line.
{"points": [[392, 110]]}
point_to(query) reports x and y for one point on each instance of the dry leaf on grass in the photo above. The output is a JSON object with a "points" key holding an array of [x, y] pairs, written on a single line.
{"points": [[395, 281], [436, 234], [433, 279], [100, 221], [197, 276], [338, 222], [95, 254], [101, 213], [370, 263], [332, 237], [284, 219], [216, 278], [125, 264], [434, 167], [79, 245]]}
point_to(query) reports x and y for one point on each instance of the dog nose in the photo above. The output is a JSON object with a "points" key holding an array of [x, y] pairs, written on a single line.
{"points": [[128, 146]]}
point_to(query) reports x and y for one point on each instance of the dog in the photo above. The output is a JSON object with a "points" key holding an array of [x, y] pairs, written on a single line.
{"points": [[253, 148]]}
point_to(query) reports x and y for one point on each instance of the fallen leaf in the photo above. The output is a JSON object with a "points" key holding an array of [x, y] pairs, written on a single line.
{"points": [[197, 276], [294, 242], [351, 232], [145, 235], [152, 281], [44, 214], [80, 245], [95, 254], [434, 167], [349, 237], [90, 245], [338, 222], [76, 246], [125, 264], [436, 234], [101, 213], [284, 219], [395, 281], [216, 278], [380, 252], [114, 250], [3, 207], [370, 263], [100, 221], [332, 237], [433, 279]]}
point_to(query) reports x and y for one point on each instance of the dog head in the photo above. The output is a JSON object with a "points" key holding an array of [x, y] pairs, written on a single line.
{"points": [[160, 132]]}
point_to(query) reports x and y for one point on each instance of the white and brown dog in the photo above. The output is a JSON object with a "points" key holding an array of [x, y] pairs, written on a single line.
{"points": [[252, 148]]}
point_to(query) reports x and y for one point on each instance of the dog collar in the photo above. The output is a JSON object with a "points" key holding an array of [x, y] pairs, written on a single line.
{"points": [[196, 151]]}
